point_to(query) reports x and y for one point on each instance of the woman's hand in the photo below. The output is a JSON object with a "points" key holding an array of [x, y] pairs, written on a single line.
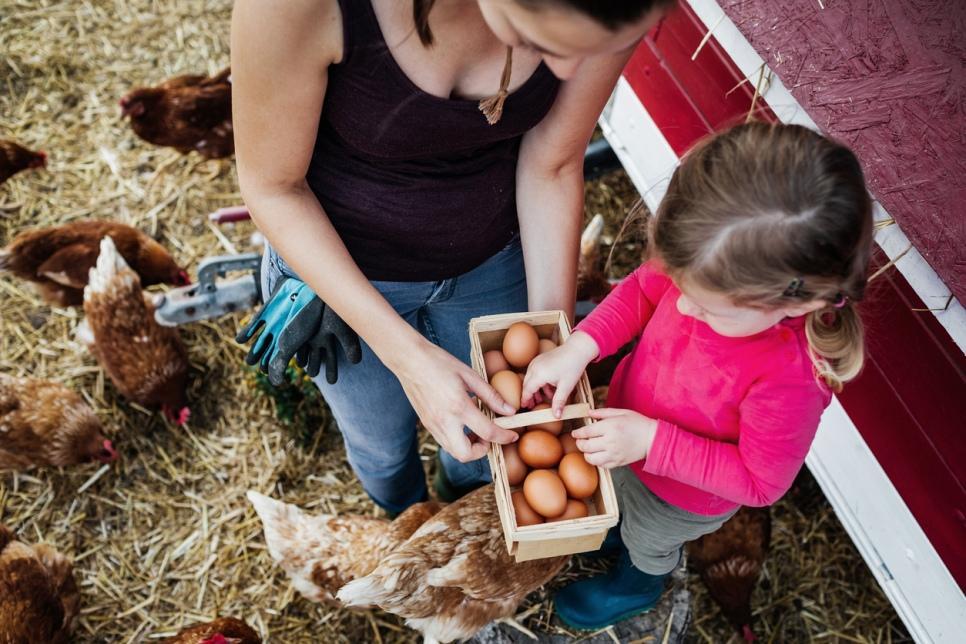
{"points": [[436, 384], [619, 437], [556, 373]]}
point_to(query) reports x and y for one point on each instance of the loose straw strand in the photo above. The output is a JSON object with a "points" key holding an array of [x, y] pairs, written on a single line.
{"points": [[492, 107]]}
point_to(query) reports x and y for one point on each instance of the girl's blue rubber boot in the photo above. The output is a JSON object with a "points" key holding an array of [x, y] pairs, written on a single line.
{"points": [[601, 601]]}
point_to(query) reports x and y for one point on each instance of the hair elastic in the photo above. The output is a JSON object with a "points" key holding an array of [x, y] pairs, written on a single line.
{"points": [[841, 301], [794, 288]]}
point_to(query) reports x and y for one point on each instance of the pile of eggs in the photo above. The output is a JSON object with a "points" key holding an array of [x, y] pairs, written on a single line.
{"points": [[556, 479]]}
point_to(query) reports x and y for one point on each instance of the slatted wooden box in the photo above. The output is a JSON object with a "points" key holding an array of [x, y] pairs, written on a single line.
{"points": [[560, 537]]}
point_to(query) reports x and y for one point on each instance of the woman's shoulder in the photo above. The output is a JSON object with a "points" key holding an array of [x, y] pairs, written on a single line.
{"points": [[312, 27]]}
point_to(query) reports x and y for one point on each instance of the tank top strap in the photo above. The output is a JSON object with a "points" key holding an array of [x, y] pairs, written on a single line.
{"points": [[360, 28]]}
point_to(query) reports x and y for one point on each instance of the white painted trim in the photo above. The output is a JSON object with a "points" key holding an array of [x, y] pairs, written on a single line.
{"points": [[886, 533], [920, 275], [895, 548], [649, 160]]}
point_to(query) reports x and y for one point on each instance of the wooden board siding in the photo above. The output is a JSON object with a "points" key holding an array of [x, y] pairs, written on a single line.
{"points": [[885, 76]]}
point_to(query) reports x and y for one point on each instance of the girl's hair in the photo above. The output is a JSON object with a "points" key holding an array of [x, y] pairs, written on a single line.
{"points": [[612, 14], [774, 215]]}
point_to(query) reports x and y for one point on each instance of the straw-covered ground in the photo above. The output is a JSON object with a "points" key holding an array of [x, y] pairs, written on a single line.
{"points": [[165, 537]]}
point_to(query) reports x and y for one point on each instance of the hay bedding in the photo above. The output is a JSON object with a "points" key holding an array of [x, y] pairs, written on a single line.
{"points": [[165, 538]]}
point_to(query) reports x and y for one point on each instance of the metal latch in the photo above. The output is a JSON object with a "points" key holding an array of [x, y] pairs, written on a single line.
{"points": [[208, 298]]}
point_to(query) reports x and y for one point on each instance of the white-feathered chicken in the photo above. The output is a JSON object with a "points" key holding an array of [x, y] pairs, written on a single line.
{"points": [[447, 572]]}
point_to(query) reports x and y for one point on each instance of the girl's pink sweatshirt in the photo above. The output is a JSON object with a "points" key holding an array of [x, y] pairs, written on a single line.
{"points": [[736, 416]]}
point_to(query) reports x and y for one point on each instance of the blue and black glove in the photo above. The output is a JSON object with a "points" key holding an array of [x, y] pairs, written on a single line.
{"points": [[295, 322]]}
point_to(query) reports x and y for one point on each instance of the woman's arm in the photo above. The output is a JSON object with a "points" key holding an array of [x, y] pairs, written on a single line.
{"points": [[280, 56], [550, 183]]}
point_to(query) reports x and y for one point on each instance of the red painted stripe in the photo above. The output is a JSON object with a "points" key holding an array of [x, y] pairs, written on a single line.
{"points": [[689, 99], [909, 403]]}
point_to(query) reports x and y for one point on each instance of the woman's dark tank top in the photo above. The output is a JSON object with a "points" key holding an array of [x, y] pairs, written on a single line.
{"points": [[420, 188]]}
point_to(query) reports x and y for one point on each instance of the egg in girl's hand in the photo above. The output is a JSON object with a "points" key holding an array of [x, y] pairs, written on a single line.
{"points": [[509, 385], [578, 476], [494, 361], [575, 510], [516, 469], [552, 426], [520, 344], [545, 493], [569, 443], [540, 449], [545, 345], [524, 513]]}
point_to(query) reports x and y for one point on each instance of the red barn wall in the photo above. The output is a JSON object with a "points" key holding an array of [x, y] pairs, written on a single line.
{"points": [[886, 77]]}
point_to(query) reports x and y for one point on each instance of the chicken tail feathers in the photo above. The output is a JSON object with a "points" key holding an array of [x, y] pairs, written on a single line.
{"points": [[361, 593], [590, 238], [280, 522], [298, 544], [110, 265]]}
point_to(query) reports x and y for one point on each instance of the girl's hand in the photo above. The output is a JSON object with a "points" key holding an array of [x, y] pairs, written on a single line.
{"points": [[619, 437], [436, 384], [559, 369]]}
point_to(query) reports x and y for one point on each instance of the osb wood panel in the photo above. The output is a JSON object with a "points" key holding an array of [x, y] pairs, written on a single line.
{"points": [[886, 77]]}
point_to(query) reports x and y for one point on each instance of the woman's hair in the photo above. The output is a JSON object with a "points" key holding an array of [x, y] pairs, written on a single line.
{"points": [[773, 215], [612, 14]]}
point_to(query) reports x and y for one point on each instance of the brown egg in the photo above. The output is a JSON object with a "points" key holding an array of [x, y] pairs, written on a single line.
{"points": [[545, 345], [509, 385], [540, 449], [579, 476], [575, 510], [524, 513], [520, 344], [569, 443], [494, 361], [553, 426], [545, 493], [516, 469]]}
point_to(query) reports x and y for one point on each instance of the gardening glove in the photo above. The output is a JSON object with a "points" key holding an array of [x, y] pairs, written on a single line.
{"points": [[314, 338], [289, 297]]}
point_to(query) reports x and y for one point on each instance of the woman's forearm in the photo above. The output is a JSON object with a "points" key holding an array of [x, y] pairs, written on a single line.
{"points": [[295, 224], [550, 208]]}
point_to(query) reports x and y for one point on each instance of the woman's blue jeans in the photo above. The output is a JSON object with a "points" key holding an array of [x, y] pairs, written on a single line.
{"points": [[377, 422]]}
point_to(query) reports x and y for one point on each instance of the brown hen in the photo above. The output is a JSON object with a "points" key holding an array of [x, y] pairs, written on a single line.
{"points": [[191, 112], [449, 578], [15, 158], [730, 562], [224, 630], [44, 423], [146, 361], [59, 258], [38, 596]]}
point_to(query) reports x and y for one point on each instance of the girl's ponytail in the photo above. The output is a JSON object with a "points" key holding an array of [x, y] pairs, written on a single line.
{"points": [[836, 343]]}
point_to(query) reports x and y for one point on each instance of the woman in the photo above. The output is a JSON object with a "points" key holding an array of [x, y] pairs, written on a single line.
{"points": [[365, 160]]}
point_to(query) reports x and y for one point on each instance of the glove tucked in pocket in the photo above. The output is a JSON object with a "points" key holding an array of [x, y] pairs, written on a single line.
{"points": [[295, 322]]}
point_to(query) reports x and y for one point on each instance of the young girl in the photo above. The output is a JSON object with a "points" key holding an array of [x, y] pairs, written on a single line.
{"points": [[745, 323]]}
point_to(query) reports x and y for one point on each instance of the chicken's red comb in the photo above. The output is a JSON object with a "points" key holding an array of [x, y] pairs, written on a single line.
{"points": [[183, 415], [748, 634], [217, 638], [108, 451]]}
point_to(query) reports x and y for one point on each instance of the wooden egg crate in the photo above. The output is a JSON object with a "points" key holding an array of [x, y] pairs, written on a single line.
{"points": [[560, 537]]}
